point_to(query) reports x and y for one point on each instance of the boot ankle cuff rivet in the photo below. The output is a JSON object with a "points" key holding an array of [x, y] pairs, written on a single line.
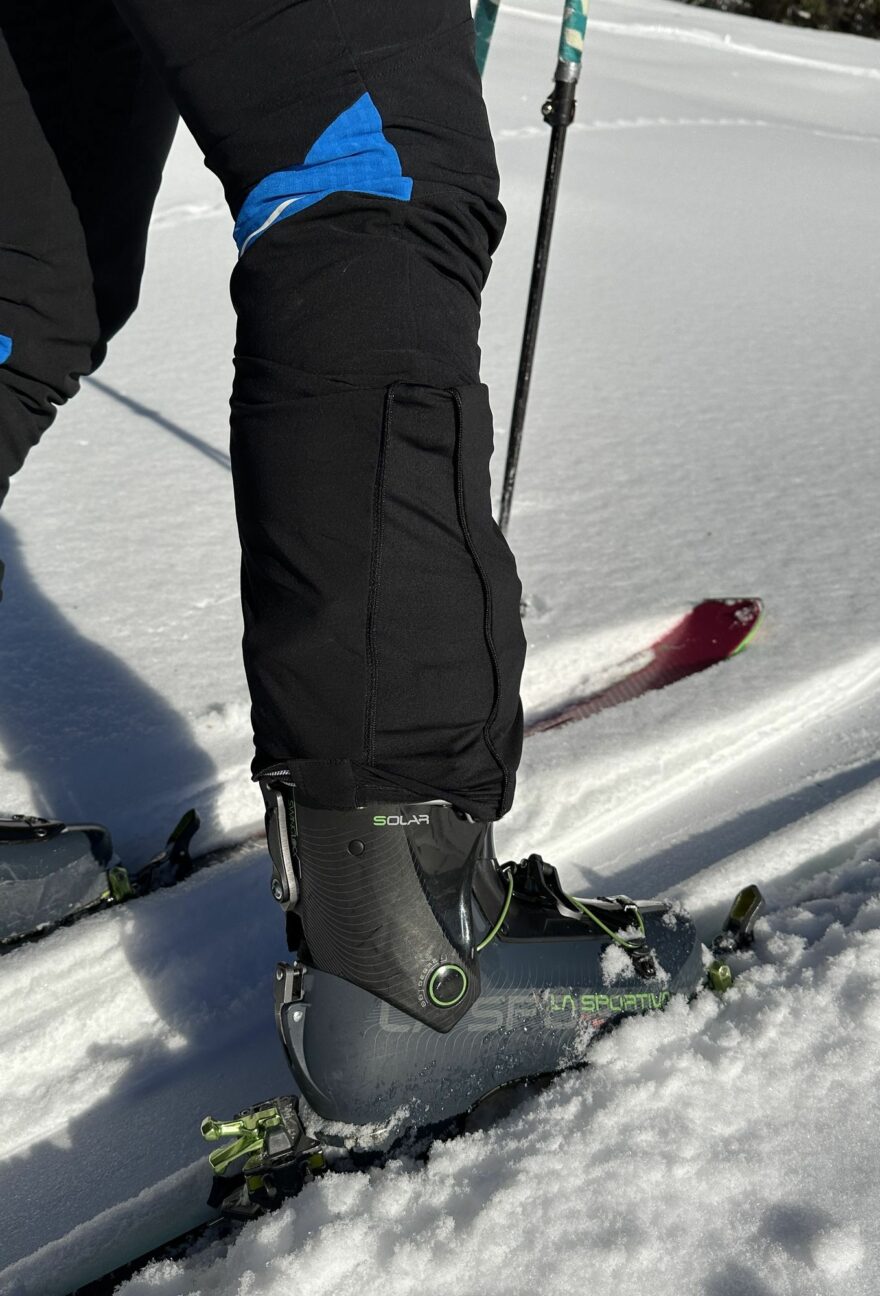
{"points": [[447, 985]]}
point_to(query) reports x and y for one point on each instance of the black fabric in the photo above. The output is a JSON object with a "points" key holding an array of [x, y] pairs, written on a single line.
{"points": [[258, 80], [383, 640], [382, 643], [85, 126]]}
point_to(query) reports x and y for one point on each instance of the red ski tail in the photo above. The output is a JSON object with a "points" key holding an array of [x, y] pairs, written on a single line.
{"points": [[710, 633]]}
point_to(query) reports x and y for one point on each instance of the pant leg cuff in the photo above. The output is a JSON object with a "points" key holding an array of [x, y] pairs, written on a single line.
{"points": [[347, 785]]}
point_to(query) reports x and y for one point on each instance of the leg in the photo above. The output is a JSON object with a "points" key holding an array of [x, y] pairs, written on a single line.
{"points": [[382, 642], [382, 637], [86, 129], [382, 634]]}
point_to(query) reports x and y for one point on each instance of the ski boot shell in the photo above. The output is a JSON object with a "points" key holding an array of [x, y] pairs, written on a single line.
{"points": [[356, 1058], [535, 974]]}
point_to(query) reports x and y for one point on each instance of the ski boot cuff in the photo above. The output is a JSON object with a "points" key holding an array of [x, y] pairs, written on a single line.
{"points": [[383, 893]]}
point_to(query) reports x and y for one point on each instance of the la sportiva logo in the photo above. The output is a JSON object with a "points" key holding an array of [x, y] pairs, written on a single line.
{"points": [[590, 1004], [399, 821]]}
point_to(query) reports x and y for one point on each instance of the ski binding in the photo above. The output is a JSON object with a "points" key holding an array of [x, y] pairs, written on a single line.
{"points": [[52, 873], [279, 1158], [736, 935]]}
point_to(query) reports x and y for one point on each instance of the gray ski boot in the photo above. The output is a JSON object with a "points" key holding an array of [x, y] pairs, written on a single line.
{"points": [[428, 975]]}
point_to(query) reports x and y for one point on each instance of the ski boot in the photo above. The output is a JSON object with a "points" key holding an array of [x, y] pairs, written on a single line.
{"points": [[427, 976]]}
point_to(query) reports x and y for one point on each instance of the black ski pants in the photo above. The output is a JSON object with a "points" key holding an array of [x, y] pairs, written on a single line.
{"points": [[382, 637]]}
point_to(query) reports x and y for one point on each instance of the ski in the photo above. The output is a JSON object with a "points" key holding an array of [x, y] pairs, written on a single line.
{"points": [[53, 874], [711, 632]]}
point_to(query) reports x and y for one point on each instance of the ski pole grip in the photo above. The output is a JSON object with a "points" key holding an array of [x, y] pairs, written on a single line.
{"points": [[484, 22], [571, 40]]}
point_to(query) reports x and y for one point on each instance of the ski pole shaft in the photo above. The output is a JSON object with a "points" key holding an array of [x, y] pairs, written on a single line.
{"points": [[558, 112], [533, 317], [484, 21]]}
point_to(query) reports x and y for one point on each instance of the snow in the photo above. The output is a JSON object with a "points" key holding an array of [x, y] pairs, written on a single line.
{"points": [[680, 1146], [703, 422]]}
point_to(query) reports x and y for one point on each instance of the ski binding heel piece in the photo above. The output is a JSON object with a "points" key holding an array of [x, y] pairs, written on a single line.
{"points": [[173, 862], [279, 1158]]}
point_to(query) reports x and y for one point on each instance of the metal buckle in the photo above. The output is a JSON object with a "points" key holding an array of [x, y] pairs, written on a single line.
{"points": [[282, 846]]}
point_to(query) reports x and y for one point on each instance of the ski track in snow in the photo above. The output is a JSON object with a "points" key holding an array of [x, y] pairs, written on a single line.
{"points": [[702, 39], [183, 213], [167, 218], [659, 123], [703, 421], [665, 771]]}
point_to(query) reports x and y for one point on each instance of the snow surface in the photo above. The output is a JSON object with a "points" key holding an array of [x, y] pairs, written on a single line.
{"points": [[703, 422]]}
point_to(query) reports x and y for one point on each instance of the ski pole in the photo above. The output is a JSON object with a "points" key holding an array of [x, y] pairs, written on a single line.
{"points": [[558, 112], [484, 21]]}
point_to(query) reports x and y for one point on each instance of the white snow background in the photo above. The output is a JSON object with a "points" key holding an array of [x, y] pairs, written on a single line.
{"points": [[704, 421]]}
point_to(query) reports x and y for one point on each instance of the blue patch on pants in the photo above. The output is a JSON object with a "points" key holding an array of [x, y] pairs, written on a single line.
{"points": [[351, 156], [5, 348]]}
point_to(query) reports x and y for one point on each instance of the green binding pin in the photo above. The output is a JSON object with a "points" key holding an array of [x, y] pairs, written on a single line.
{"points": [[719, 976]]}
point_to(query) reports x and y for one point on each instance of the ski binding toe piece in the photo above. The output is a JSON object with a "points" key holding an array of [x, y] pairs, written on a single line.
{"points": [[737, 934], [279, 1158]]}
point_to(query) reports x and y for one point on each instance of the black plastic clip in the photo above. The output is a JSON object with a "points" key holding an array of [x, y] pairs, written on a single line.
{"points": [[173, 862], [536, 880], [559, 108]]}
